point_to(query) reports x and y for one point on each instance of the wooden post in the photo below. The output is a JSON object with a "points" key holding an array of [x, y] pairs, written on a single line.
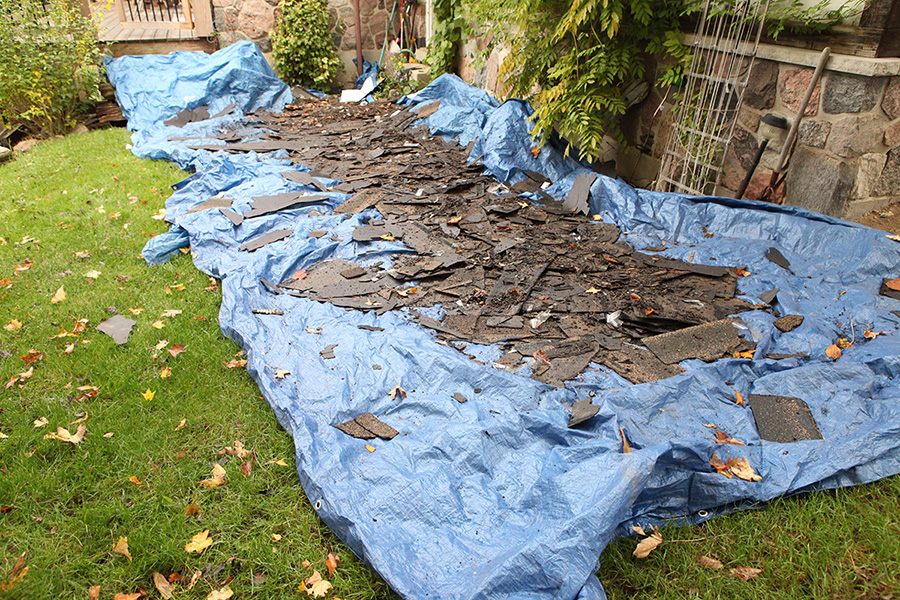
{"points": [[201, 13], [120, 11]]}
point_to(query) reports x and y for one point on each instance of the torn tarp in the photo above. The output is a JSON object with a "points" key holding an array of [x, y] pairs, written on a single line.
{"points": [[497, 497]]}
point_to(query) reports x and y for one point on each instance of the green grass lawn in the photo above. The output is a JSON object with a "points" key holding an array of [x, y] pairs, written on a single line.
{"points": [[84, 205]]}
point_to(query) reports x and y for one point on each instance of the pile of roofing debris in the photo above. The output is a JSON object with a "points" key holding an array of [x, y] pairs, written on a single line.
{"points": [[546, 279]]}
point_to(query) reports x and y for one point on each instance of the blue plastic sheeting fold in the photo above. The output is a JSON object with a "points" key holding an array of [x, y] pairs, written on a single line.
{"points": [[152, 89], [497, 497]]}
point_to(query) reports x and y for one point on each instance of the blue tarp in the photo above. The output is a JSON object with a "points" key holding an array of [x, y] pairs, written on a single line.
{"points": [[497, 497]]}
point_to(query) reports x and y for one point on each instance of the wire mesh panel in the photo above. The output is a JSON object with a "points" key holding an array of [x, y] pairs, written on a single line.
{"points": [[153, 11], [713, 88]]}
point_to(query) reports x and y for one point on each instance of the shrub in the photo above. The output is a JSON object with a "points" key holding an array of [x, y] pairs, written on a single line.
{"points": [[301, 45], [50, 65]]}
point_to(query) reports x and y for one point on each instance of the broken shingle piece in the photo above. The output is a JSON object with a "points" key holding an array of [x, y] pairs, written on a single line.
{"points": [[783, 419], [235, 218], [582, 410], [708, 341], [460, 398], [366, 427], [259, 242], [265, 205], [778, 258], [577, 200], [328, 351], [117, 327], [304, 178], [788, 323], [214, 202]]}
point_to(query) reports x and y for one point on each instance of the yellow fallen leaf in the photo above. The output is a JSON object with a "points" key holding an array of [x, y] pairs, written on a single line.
{"points": [[13, 325], [121, 547], [199, 542], [180, 424], [370, 448], [217, 479], [148, 395], [62, 434], [59, 296], [41, 422], [315, 586], [165, 372], [194, 578], [81, 419], [108, 434], [162, 344], [158, 324], [741, 468], [592, 290], [94, 592], [27, 374], [279, 462], [135, 480], [92, 274], [223, 594], [648, 544], [738, 398], [626, 448], [136, 311], [276, 538], [239, 450], [397, 390]]}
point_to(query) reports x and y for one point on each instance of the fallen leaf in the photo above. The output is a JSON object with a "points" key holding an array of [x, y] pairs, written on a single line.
{"points": [[180, 424], [721, 468], [222, 594], [239, 450], [59, 296], [108, 434], [135, 480], [541, 357], [370, 448], [27, 374], [79, 326], [13, 325], [192, 509], [94, 592], [217, 479], [20, 562], [332, 563], [70, 348], [871, 335], [298, 275], [738, 398], [724, 438], [14, 580], [83, 255], [315, 586], [92, 274], [741, 468], [136, 311], [170, 313], [165, 372], [648, 311], [148, 395], [246, 468], [648, 544], [276, 538], [626, 448], [132, 596], [280, 373], [746, 573], [279, 462], [199, 542], [844, 343], [5, 283], [634, 297], [234, 363], [592, 290], [63, 434], [397, 390], [121, 547], [162, 584], [747, 354], [32, 357], [535, 150], [41, 422], [21, 268], [158, 324], [711, 563], [161, 344], [306, 564], [194, 578], [743, 272], [893, 284], [833, 352]]}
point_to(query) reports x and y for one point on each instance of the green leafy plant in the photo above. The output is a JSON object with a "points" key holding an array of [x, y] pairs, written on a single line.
{"points": [[301, 45], [50, 65], [449, 28], [395, 81]]}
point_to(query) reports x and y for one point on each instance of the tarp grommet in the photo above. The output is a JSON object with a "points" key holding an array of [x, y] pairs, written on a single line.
{"points": [[700, 513], [318, 504]]}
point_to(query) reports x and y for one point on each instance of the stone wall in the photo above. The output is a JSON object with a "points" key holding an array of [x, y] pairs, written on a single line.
{"points": [[847, 158], [237, 20]]}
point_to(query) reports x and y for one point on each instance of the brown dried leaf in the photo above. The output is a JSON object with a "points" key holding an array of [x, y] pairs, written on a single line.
{"points": [[871, 335], [217, 479], [833, 352], [746, 573], [32, 357], [708, 562], [223, 594], [397, 390], [332, 563], [194, 579], [132, 596], [315, 586], [541, 357], [893, 284], [199, 542], [626, 448], [648, 544], [121, 547], [246, 468], [177, 349], [62, 434], [724, 438], [741, 468], [192, 509], [162, 584], [94, 592], [716, 463], [234, 363], [239, 450]]}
